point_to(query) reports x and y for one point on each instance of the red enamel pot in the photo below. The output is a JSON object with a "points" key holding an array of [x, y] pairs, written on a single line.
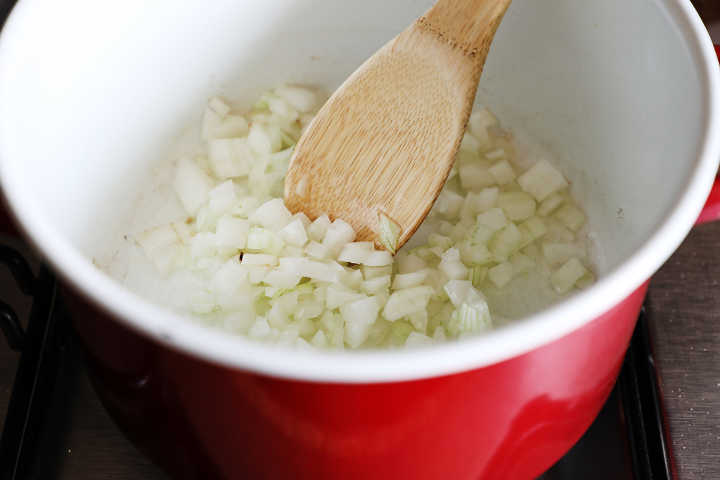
{"points": [[625, 93]]}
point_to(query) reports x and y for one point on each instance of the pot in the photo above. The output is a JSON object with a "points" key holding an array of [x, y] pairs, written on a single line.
{"points": [[626, 94]]}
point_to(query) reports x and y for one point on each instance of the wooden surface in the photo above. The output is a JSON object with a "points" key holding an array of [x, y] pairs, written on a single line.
{"points": [[386, 139], [684, 308]]}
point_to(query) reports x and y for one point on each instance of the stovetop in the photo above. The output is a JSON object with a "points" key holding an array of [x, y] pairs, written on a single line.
{"points": [[56, 428]]}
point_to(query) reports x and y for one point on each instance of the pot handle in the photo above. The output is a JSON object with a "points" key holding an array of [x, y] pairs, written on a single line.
{"points": [[711, 210]]}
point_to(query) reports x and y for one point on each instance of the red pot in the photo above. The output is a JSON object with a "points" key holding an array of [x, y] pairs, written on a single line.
{"points": [[513, 419], [504, 405]]}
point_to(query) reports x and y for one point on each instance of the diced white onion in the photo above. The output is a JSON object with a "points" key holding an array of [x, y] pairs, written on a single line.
{"points": [[248, 265], [565, 277], [378, 258], [475, 177], [516, 205], [355, 252], [191, 184], [259, 259], [389, 233], [338, 234], [502, 171], [219, 106], [407, 280], [494, 219], [359, 317], [232, 232], [301, 99], [317, 228], [571, 217], [272, 214], [406, 302], [294, 233], [229, 157], [541, 180]]}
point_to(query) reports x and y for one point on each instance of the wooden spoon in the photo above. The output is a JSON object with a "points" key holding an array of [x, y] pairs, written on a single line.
{"points": [[385, 141]]}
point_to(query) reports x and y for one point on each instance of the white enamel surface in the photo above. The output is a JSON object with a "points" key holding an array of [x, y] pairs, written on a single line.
{"points": [[92, 95]]}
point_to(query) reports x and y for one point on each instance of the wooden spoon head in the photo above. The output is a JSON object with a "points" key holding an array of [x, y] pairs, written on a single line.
{"points": [[387, 138]]}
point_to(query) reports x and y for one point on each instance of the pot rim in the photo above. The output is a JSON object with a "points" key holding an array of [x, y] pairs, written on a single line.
{"points": [[176, 332]]}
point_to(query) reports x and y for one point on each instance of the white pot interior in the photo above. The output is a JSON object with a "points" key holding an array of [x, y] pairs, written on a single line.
{"points": [[98, 91], [608, 88]]}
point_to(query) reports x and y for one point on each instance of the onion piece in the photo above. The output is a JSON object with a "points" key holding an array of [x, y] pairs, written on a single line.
{"points": [[502, 171], [565, 277], [541, 180], [318, 228], [229, 157], [407, 280], [389, 233], [231, 232], [406, 302], [294, 232], [355, 252], [359, 316], [191, 185]]}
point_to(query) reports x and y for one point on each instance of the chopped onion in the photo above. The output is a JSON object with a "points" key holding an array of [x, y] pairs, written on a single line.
{"points": [[221, 198], [301, 99], [469, 143], [218, 105], [294, 233], [263, 140], [232, 232], [259, 259], [232, 126], [470, 319], [496, 154], [191, 184], [263, 240], [516, 205], [571, 217], [355, 252], [410, 263], [494, 219], [229, 157], [338, 234], [506, 241], [550, 204], [359, 317], [317, 250], [541, 180], [377, 285], [317, 229], [389, 233], [502, 172], [501, 274], [565, 277], [378, 259], [406, 302], [475, 177], [416, 339], [272, 214], [479, 123], [557, 253], [252, 267]]}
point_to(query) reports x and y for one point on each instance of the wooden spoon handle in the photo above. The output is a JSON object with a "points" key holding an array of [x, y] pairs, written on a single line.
{"points": [[466, 24]]}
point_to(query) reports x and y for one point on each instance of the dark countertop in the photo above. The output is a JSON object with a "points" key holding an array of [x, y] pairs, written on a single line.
{"points": [[684, 313]]}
